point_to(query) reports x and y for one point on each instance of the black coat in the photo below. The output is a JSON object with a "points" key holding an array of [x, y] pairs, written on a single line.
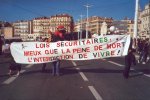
{"points": [[130, 57], [56, 38]]}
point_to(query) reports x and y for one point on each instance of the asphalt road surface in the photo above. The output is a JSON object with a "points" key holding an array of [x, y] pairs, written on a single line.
{"points": [[99, 79]]}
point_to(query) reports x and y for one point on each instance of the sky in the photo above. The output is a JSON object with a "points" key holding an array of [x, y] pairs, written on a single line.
{"points": [[13, 10]]}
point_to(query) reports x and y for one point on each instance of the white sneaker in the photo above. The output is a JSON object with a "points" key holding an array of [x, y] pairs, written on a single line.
{"points": [[143, 63], [148, 58]]}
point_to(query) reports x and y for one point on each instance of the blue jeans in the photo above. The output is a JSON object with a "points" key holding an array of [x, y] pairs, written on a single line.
{"points": [[56, 67]]}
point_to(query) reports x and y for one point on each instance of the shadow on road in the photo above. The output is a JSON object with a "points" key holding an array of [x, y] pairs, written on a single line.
{"points": [[136, 75], [71, 70]]}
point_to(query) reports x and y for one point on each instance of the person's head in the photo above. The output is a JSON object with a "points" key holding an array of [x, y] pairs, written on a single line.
{"points": [[61, 29]]}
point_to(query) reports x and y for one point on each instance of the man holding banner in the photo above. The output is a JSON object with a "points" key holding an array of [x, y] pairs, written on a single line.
{"points": [[129, 60], [85, 49], [59, 35]]}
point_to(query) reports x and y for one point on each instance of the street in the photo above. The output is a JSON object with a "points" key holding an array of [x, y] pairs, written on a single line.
{"points": [[92, 50], [99, 79]]}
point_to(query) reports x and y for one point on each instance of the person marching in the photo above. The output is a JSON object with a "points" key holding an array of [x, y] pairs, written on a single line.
{"points": [[129, 60], [1, 44], [13, 67], [144, 52], [59, 35]]}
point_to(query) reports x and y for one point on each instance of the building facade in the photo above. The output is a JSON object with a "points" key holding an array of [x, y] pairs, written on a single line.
{"points": [[6, 29], [8, 32], [130, 28], [120, 27], [125, 26], [63, 20], [145, 22], [41, 27], [95, 24], [22, 29]]}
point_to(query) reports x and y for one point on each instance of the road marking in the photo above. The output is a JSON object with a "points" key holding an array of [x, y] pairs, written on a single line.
{"points": [[95, 93], [12, 78], [147, 75], [78, 69], [74, 64], [22, 71], [92, 89], [130, 68], [82, 75], [103, 59], [116, 63], [29, 66]]}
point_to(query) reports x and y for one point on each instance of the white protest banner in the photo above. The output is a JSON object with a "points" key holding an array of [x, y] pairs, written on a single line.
{"points": [[86, 49]]}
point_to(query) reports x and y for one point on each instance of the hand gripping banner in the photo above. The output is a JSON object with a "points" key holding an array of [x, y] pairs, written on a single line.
{"points": [[85, 49]]}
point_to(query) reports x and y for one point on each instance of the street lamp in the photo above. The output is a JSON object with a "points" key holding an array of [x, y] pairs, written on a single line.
{"points": [[87, 22], [81, 26], [149, 19], [78, 28], [136, 20]]}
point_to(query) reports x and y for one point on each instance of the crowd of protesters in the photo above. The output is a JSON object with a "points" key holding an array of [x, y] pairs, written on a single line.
{"points": [[143, 49], [142, 46], [59, 35]]}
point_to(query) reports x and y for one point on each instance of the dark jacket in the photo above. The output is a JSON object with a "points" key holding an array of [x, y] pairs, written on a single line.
{"points": [[13, 65], [130, 57], [58, 37]]}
